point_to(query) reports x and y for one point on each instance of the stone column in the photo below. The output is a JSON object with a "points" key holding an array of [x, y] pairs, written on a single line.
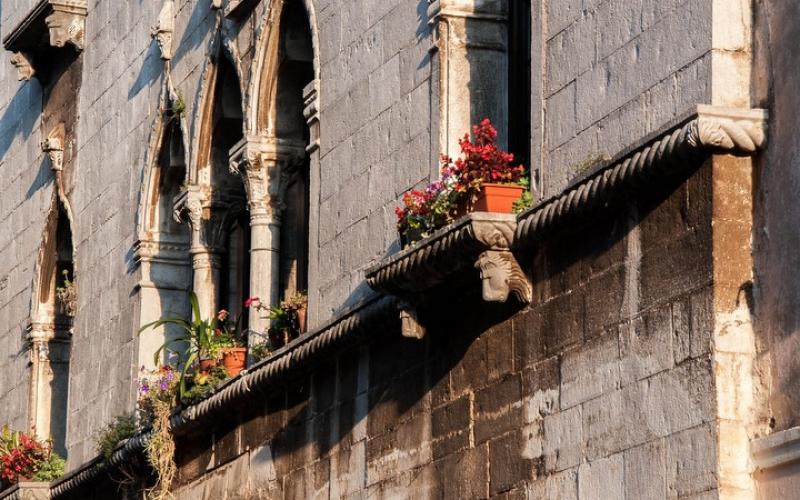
{"points": [[265, 164], [470, 49], [206, 255], [39, 336]]}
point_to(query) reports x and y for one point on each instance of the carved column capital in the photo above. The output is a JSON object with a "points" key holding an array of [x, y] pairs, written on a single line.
{"points": [[163, 30], [24, 64], [67, 23], [266, 165]]}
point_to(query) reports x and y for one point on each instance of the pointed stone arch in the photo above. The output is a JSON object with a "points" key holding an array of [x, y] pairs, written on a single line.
{"points": [[278, 154], [215, 198], [262, 89], [53, 307], [162, 249]]}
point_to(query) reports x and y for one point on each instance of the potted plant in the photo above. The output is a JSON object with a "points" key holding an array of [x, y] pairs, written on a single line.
{"points": [[297, 307], [483, 179], [484, 173], [25, 458], [204, 341]]}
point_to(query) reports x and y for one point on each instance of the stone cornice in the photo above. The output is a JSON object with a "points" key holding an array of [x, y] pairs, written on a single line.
{"points": [[64, 19], [678, 149], [776, 449], [50, 22], [342, 331]]}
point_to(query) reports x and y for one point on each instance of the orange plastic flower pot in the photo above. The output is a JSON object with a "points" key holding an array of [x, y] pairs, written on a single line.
{"points": [[498, 198]]}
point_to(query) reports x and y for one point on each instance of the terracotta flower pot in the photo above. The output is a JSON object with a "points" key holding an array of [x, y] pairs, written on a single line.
{"points": [[498, 198], [208, 364], [302, 316], [233, 359]]}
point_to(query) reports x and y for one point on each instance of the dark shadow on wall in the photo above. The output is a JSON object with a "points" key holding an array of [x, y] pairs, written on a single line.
{"points": [[303, 412], [201, 18], [152, 68], [44, 177], [20, 115]]}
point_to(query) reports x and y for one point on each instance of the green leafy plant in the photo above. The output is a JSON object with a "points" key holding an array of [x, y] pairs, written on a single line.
{"points": [[203, 383], [118, 430], [588, 162], [200, 338], [50, 469], [526, 200], [67, 295], [158, 394], [177, 106], [22, 456]]}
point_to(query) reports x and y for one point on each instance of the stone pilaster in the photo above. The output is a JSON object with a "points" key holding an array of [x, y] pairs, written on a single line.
{"points": [[266, 165], [469, 43]]}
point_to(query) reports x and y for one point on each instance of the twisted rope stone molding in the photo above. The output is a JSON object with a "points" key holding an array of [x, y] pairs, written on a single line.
{"points": [[478, 240], [341, 332], [710, 130]]}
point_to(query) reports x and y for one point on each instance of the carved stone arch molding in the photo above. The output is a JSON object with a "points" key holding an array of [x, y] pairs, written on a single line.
{"points": [[53, 306], [260, 95], [162, 248]]}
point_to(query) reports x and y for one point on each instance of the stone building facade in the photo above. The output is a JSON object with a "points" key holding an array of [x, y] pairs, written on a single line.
{"points": [[630, 336]]}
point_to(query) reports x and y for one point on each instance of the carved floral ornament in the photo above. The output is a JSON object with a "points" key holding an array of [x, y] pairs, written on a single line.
{"points": [[266, 165], [53, 145]]}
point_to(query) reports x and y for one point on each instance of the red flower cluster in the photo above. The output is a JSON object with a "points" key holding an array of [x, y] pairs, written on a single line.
{"points": [[481, 161], [22, 460]]}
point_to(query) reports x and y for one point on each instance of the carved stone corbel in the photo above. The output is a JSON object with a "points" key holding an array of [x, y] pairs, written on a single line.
{"points": [[410, 326], [23, 62], [163, 30], [730, 130], [67, 23], [500, 272], [53, 145]]}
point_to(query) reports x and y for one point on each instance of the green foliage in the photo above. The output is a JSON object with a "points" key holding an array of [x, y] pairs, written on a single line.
{"points": [[203, 383], [50, 469], [177, 107], [119, 429], [200, 339], [526, 200], [590, 161]]}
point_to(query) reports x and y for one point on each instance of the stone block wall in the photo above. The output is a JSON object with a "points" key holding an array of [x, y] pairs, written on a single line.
{"points": [[375, 127], [600, 389], [25, 196], [614, 71]]}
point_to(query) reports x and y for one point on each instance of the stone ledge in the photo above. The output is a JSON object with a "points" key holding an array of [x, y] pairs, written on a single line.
{"points": [[27, 490], [678, 149], [477, 240], [776, 449], [336, 334]]}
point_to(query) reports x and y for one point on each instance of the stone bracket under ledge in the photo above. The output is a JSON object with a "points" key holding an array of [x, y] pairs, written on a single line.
{"points": [[50, 23], [478, 240]]}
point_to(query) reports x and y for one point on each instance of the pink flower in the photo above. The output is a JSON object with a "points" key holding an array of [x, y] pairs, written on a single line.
{"points": [[252, 301], [222, 315]]}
